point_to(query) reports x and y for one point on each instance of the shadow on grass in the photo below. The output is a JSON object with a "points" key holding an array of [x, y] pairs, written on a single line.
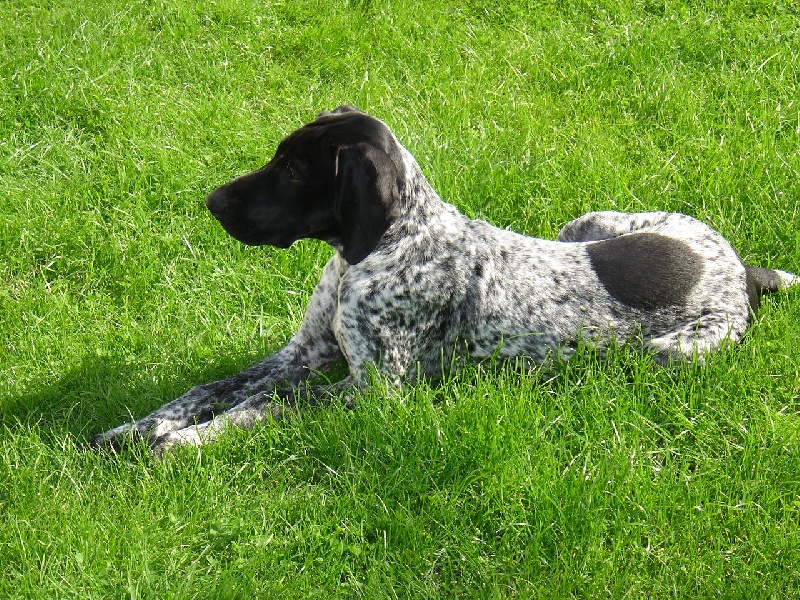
{"points": [[102, 391]]}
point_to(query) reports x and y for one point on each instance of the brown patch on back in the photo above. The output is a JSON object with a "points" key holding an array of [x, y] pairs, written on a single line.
{"points": [[646, 270]]}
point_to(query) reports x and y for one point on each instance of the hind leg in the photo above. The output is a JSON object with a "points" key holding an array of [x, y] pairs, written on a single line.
{"points": [[609, 224], [695, 340]]}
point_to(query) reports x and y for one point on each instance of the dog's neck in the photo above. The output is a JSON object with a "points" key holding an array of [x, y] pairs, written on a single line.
{"points": [[417, 196]]}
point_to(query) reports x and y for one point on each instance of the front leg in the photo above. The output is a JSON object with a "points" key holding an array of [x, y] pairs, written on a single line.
{"points": [[255, 409], [314, 347], [201, 403], [376, 338], [361, 342]]}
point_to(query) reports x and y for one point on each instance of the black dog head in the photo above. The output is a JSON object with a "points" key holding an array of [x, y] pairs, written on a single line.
{"points": [[334, 179]]}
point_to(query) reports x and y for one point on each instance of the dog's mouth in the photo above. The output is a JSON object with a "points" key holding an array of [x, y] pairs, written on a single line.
{"points": [[278, 239], [254, 237]]}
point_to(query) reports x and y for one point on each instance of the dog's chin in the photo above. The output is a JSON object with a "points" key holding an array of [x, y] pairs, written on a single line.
{"points": [[252, 236], [281, 243]]}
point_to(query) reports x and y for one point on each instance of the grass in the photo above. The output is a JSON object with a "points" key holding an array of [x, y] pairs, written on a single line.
{"points": [[118, 292]]}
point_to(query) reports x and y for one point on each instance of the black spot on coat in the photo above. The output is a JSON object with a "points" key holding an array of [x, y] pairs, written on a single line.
{"points": [[646, 270]]}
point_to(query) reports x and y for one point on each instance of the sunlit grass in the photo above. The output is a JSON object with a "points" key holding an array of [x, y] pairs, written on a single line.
{"points": [[118, 292]]}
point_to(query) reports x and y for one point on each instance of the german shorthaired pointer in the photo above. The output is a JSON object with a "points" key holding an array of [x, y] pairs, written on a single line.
{"points": [[415, 285]]}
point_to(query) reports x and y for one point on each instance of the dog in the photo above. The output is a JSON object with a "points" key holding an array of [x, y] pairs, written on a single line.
{"points": [[415, 285]]}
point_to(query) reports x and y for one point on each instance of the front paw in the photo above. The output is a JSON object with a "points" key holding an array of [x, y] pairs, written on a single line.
{"points": [[194, 435], [116, 439]]}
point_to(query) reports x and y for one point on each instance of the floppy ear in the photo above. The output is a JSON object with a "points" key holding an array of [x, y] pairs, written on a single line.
{"points": [[366, 188]]}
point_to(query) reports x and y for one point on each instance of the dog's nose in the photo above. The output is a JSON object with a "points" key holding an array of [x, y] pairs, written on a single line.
{"points": [[217, 202]]}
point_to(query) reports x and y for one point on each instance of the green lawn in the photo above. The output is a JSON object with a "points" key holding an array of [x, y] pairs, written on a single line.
{"points": [[118, 291]]}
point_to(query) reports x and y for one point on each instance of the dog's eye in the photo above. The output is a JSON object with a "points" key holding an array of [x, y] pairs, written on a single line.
{"points": [[292, 174]]}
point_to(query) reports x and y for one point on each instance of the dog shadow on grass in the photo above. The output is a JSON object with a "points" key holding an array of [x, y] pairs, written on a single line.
{"points": [[102, 391]]}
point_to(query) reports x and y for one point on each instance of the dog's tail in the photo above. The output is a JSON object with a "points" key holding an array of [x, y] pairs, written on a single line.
{"points": [[767, 281], [762, 281]]}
